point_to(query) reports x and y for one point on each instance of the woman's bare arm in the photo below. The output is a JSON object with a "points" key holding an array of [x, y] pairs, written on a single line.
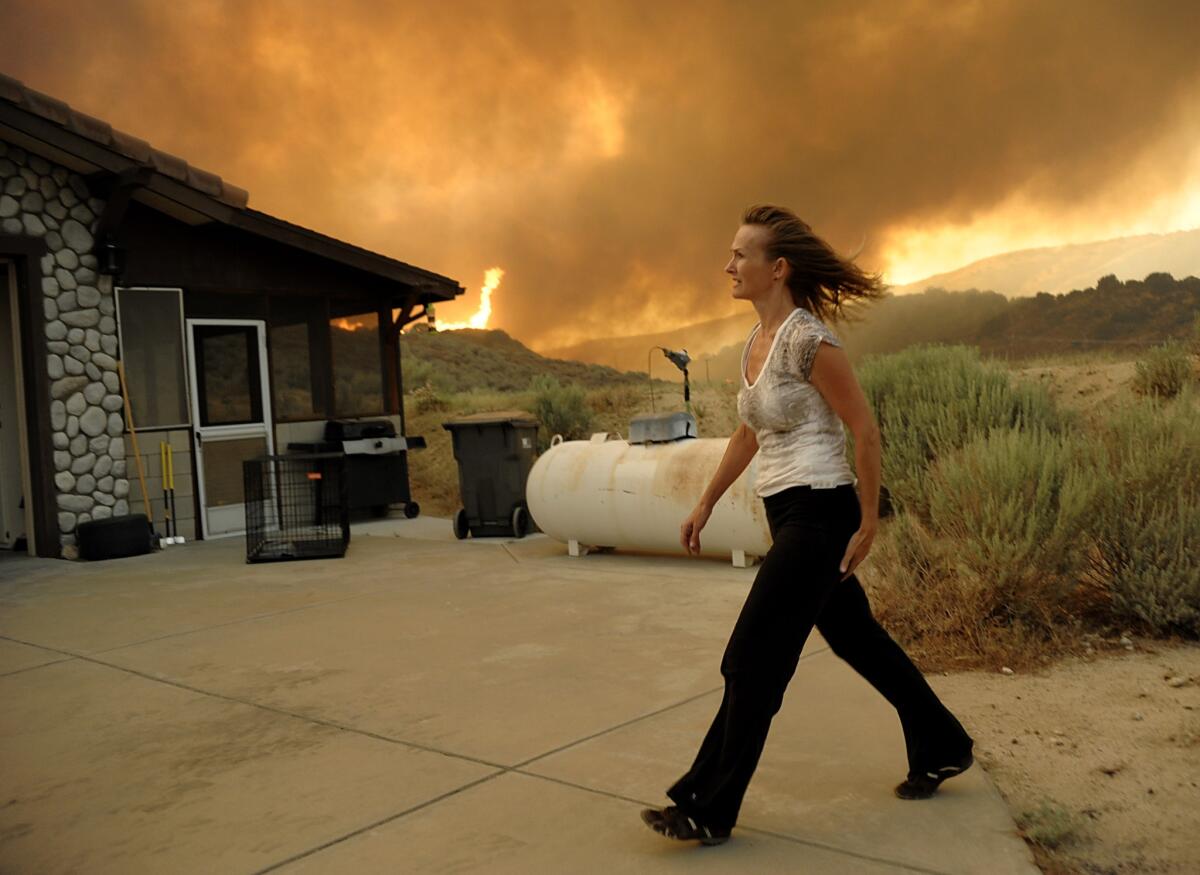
{"points": [[741, 449], [833, 377], [742, 446]]}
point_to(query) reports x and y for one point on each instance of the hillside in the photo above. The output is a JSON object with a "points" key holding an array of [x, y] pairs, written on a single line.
{"points": [[1121, 316], [1022, 273], [471, 359], [935, 316], [1113, 315], [630, 353], [1057, 269], [1118, 315]]}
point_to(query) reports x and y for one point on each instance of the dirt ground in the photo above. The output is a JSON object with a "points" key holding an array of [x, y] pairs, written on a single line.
{"points": [[1098, 756], [1085, 386]]}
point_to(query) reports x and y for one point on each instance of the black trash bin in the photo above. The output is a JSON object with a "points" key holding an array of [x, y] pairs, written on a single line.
{"points": [[495, 452]]}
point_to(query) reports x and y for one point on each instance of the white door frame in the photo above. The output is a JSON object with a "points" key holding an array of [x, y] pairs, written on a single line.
{"points": [[200, 433], [20, 426]]}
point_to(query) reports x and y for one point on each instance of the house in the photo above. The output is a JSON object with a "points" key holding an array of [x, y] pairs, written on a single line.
{"points": [[238, 332]]}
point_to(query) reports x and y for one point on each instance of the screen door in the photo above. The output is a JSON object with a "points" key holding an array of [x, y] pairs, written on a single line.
{"points": [[231, 415]]}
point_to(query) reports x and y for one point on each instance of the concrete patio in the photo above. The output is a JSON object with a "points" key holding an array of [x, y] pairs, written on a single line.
{"points": [[428, 705]]}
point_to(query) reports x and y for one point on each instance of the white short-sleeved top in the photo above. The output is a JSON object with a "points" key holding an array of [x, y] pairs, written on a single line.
{"points": [[801, 440]]}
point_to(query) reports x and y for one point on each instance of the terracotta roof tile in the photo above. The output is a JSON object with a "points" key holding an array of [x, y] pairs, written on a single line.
{"points": [[90, 127], [211, 185], [47, 106], [202, 180], [130, 146], [11, 89], [235, 196], [99, 131], [169, 165]]}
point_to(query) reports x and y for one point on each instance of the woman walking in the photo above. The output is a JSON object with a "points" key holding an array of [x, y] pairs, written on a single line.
{"points": [[797, 390]]}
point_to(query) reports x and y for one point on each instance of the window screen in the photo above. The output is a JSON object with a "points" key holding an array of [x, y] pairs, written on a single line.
{"points": [[298, 347], [228, 381], [151, 329], [357, 364]]}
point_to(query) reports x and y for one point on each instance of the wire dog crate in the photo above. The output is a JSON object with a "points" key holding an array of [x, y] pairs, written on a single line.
{"points": [[296, 507]]}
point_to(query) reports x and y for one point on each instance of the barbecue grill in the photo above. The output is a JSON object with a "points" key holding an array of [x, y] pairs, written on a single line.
{"points": [[376, 462]]}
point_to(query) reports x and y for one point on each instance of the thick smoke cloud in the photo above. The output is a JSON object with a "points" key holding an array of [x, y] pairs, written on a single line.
{"points": [[601, 152]]}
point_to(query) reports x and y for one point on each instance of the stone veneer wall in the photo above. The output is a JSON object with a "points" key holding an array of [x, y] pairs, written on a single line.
{"points": [[40, 199]]}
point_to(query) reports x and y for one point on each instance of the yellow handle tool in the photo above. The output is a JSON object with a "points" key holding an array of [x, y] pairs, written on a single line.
{"points": [[171, 481], [162, 467]]}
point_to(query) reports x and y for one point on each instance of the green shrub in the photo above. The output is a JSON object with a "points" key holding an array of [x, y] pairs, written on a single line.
{"points": [[416, 372], [1164, 371], [1014, 505], [917, 594], [1146, 525], [931, 400], [1051, 825], [426, 399], [560, 408], [484, 400], [1005, 540], [1195, 338], [914, 562], [619, 400]]}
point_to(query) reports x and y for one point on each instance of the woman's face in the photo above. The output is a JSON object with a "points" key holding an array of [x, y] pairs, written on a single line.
{"points": [[753, 273]]}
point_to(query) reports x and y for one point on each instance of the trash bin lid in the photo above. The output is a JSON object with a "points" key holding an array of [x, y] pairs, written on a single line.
{"points": [[497, 417]]}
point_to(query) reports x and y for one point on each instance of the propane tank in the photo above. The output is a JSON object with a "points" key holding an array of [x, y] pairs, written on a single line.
{"points": [[607, 492]]}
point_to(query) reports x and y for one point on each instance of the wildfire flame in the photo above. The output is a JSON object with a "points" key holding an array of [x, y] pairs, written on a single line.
{"points": [[491, 281]]}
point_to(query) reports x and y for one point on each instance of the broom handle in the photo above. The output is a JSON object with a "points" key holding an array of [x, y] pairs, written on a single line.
{"points": [[137, 457], [162, 467], [171, 469]]}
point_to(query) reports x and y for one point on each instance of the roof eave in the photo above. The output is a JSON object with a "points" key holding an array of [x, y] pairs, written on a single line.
{"points": [[429, 285], [188, 204]]}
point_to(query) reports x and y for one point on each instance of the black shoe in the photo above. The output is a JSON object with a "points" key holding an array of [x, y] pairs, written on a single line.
{"points": [[922, 785], [674, 824]]}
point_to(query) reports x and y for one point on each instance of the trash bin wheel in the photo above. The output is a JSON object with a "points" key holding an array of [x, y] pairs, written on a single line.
{"points": [[460, 524], [520, 522], [412, 510]]}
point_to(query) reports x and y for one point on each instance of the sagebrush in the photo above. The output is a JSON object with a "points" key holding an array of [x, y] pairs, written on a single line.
{"points": [[1163, 371], [1146, 518], [931, 400], [561, 409]]}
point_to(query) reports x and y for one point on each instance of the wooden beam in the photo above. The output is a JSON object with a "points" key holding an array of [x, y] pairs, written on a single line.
{"points": [[119, 195]]}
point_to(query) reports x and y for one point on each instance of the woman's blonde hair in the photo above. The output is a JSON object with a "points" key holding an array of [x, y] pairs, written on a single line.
{"points": [[826, 284]]}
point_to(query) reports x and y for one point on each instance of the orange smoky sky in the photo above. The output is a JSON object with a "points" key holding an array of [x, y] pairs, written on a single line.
{"points": [[600, 153]]}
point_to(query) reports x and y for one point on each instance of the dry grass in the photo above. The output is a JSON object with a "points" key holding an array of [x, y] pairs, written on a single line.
{"points": [[1100, 356], [1093, 755], [941, 629]]}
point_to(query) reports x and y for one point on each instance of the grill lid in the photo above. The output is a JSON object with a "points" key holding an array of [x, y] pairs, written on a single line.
{"points": [[356, 430]]}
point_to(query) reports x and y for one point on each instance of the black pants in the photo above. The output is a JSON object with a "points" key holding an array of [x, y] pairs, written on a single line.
{"points": [[798, 586]]}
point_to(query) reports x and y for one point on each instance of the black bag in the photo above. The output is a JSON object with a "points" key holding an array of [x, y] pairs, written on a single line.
{"points": [[115, 537]]}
